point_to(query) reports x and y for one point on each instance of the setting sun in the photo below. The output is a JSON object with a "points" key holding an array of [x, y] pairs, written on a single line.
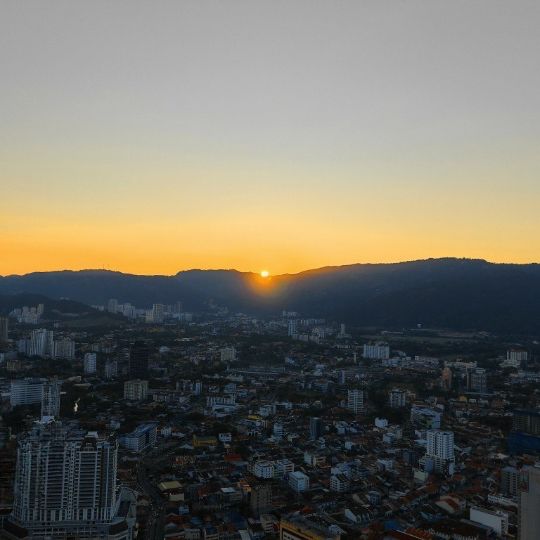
{"points": [[265, 273]]}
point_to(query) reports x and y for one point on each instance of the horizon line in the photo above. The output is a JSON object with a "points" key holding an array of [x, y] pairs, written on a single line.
{"points": [[330, 266]]}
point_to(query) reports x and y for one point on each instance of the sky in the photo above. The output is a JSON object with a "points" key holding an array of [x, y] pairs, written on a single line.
{"points": [[151, 137]]}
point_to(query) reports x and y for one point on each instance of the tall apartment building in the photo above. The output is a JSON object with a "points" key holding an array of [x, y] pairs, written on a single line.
{"points": [[440, 444], [439, 452], [260, 499], [138, 360], [477, 380], [510, 481], [397, 398], [376, 351], [90, 363], [128, 310], [156, 314], [529, 504], [64, 349], [136, 390], [50, 398], [41, 343], [278, 431], [65, 486], [355, 400]]}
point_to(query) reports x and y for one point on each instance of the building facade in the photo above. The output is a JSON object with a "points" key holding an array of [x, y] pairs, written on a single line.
{"points": [[136, 390], [355, 400], [65, 486], [50, 398]]}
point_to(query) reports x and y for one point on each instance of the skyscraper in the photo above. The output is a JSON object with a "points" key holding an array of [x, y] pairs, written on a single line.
{"points": [[65, 485], [529, 504], [355, 400], [90, 363], [41, 343], [138, 360], [50, 398]]}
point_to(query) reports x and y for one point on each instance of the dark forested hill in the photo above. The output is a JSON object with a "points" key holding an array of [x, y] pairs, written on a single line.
{"points": [[454, 293]]}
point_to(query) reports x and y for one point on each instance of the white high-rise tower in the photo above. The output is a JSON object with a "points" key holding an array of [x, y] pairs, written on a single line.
{"points": [[50, 398], [355, 400], [65, 484]]}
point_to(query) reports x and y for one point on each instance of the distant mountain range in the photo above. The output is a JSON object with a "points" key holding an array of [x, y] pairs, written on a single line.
{"points": [[448, 293]]}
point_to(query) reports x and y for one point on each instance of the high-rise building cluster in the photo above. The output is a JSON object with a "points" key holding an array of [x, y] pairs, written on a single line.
{"points": [[231, 426], [41, 343], [66, 486]]}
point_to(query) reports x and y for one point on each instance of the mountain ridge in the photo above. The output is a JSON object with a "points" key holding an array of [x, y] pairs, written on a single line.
{"points": [[445, 292], [306, 271]]}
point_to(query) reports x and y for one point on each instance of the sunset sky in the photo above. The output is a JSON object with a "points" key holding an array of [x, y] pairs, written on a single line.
{"points": [[151, 137]]}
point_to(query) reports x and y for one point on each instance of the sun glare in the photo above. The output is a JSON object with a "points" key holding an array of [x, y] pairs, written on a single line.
{"points": [[265, 273]]}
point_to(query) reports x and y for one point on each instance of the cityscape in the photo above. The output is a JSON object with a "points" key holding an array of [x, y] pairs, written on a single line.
{"points": [[167, 423], [269, 270]]}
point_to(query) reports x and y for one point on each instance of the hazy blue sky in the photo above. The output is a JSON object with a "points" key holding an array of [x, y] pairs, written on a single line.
{"points": [[155, 136]]}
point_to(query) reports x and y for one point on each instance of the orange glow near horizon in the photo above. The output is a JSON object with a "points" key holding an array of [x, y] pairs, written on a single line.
{"points": [[242, 216]]}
